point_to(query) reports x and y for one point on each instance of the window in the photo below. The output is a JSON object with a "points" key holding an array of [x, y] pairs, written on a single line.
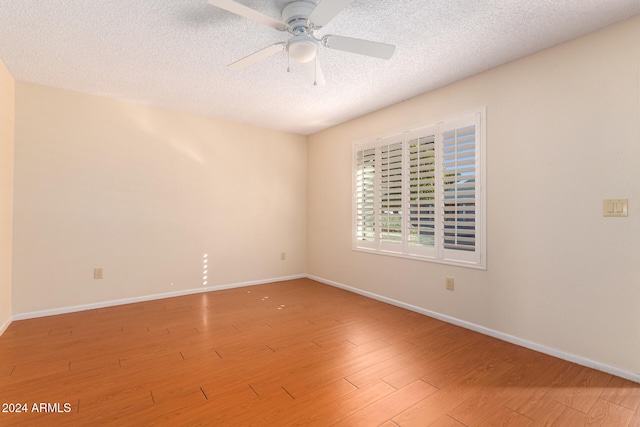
{"points": [[420, 193]]}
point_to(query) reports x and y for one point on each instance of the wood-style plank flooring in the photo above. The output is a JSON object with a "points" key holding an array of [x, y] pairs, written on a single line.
{"points": [[290, 353]]}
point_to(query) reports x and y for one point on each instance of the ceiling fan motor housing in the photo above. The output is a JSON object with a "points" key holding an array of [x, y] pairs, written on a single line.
{"points": [[296, 14]]}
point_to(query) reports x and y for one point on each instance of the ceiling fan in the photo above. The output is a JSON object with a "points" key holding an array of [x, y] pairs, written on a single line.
{"points": [[302, 18]]}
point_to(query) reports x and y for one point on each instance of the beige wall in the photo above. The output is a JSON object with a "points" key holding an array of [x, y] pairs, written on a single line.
{"points": [[563, 133], [144, 193], [7, 106]]}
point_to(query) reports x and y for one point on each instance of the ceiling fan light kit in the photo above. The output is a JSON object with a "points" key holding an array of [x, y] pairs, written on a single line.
{"points": [[302, 48], [302, 19]]}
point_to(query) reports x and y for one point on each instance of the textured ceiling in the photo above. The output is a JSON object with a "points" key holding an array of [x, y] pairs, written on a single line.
{"points": [[173, 54]]}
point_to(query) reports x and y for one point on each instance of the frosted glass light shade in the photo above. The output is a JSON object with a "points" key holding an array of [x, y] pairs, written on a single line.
{"points": [[302, 50]]}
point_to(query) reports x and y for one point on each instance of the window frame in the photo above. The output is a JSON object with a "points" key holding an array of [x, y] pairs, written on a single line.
{"points": [[414, 209]]}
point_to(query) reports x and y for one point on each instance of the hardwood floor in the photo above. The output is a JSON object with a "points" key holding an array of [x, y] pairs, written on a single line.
{"points": [[290, 353]]}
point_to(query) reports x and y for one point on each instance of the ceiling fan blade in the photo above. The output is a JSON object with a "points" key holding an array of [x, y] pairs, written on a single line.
{"points": [[326, 11], [315, 72], [363, 47], [248, 61], [247, 12]]}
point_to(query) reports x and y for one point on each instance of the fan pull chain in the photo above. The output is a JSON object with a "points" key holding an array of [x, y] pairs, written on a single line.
{"points": [[315, 70], [288, 62]]}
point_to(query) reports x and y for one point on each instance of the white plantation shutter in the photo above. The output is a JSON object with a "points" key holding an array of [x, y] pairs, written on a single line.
{"points": [[460, 193], [420, 193], [365, 197], [390, 193]]}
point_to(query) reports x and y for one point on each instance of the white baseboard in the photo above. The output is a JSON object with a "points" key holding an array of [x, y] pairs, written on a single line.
{"points": [[631, 376], [5, 325], [63, 310]]}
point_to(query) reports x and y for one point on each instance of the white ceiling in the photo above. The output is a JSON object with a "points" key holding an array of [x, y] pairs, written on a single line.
{"points": [[173, 54]]}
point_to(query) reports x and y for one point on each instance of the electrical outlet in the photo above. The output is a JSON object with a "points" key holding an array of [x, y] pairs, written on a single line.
{"points": [[449, 283], [97, 273]]}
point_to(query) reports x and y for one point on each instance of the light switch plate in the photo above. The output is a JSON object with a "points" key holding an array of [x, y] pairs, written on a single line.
{"points": [[449, 283], [615, 207]]}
